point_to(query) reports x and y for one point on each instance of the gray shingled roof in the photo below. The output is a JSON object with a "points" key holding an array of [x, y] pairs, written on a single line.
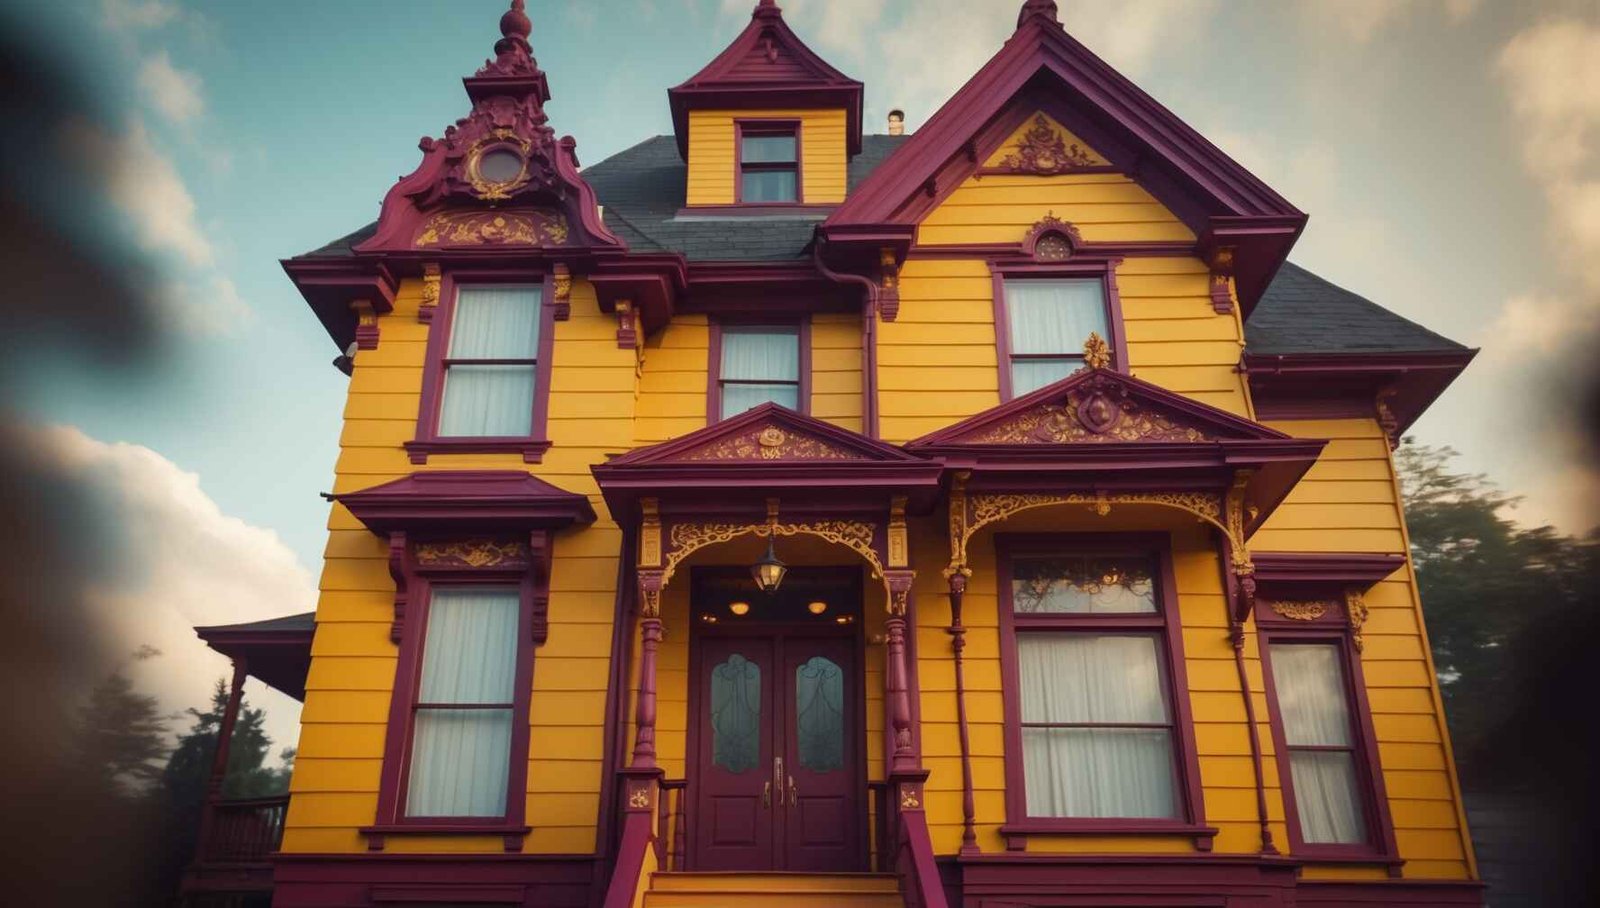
{"points": [[305, 621], [1302, 313], [642, 191]]}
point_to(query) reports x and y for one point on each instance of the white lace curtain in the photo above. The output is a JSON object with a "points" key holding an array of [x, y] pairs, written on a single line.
{"points": [[460, 757], [1048, 322], [1071, 679], [491, 400], [1309, 681], [759, 365]]}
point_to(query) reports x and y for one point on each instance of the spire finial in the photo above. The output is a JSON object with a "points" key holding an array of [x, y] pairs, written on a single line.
{"points": [[766, 8], [513, 55], [1045, 9]]}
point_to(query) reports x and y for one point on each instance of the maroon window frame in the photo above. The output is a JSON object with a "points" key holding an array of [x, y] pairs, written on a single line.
{"points": [[802, 329], [1331, 630], [428, 440], [1105, 270], [1164, 624], [395, 779], [767, 128]]}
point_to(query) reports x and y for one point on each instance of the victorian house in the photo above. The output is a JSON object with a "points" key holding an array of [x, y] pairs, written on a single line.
{"points": [[777, 513]]}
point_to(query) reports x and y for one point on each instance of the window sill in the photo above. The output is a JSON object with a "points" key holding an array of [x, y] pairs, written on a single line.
{"points": [[1016, 834], [1347, 855], [511, 833], [532, 451]]}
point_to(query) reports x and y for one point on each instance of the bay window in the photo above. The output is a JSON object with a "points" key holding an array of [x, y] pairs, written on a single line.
{"points": [[1094, 737]]}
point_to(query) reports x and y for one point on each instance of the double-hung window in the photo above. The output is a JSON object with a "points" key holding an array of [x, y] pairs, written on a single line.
{"points": [[757, 364], [769, 163], [490, 367], [1092, 712], [1047, 322], [1319, 732], [463, 714]]}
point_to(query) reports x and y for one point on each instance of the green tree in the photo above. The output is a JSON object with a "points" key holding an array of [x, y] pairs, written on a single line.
{"points": [[121, 737]]}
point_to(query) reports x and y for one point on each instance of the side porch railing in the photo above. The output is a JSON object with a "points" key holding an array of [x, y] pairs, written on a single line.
{"points": [[243, 831], [672, 841]]}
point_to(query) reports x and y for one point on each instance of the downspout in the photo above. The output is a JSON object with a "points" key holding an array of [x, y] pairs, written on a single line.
{"points": [[1236, 637], [869, 337]]}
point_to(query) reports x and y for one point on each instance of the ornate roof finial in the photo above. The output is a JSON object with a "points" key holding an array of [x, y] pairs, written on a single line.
{"points": [[513, 55], [766, 8], [1096, 353], [1045, 9]]}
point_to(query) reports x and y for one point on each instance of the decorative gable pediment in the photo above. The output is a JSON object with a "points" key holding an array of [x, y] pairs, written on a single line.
{"points": [[1044, 147], [1097, 406], [768, 433]]}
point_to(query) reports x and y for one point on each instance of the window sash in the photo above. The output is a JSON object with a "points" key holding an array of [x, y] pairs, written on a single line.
{"points": [[463, 714], [757, 365], [1047, 322], [1317, 722], [489, 373]]}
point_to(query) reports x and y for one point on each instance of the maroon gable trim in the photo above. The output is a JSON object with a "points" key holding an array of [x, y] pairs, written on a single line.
{"points": [[473, 501], [1394, 388], [767, 66], [1227, 206]]}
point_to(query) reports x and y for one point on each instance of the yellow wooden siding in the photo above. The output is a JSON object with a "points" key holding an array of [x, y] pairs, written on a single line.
{"points": [[1350, 502], [1105, 207], [713, 157], [336, 777], [937, 362]]}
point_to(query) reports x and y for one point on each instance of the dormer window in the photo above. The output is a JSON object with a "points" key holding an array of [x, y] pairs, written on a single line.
{"points": [[769, 163]]}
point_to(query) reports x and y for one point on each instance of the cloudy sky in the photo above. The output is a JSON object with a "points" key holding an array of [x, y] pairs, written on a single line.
{"points": [[1447, 150]]}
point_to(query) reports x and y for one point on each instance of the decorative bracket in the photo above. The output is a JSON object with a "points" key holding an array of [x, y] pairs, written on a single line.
{"points": [[627, 325], [561, 299], [399, 569], [431, 279], [889, 284], [366, 324], [1222, 281], [1355, 606], [1386, 418]]}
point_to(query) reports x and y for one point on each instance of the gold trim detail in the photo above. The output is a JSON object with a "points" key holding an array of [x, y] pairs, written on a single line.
{"points": [[1096, 352], [494, 228], [497, 190], [639, 798], [1355, 605], [472, 552], [770, 442], [687, 538], [910, 798], [1300, 611], [431, 278], [650, 533], [898, 550]]}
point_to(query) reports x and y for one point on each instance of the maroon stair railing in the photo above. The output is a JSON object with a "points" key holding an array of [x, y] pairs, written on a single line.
{"points": [[244, 831], [672, 840]]}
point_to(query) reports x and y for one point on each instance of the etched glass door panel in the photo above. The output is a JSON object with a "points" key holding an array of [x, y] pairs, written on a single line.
{"points": [[732, 784], [820, 820]]}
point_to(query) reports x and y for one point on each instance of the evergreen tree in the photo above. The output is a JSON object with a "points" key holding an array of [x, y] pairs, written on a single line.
{"points": [[120, 737]]}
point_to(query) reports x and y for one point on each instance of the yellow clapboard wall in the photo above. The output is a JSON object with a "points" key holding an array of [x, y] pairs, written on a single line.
{"points": [[713, 157]]}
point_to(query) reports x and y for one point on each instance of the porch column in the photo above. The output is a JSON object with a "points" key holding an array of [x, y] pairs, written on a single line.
{"points": [[219, 756], [958, 645], [644, 743], [897, 696]]}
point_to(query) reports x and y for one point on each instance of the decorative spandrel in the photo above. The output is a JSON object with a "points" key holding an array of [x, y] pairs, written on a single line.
{"points": [[819, 714], [736, 714], [1082, 585]]}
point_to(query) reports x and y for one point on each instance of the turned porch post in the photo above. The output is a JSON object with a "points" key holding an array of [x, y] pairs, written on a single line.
{"points": [[644, 742], [219, 756], [897, 699]]}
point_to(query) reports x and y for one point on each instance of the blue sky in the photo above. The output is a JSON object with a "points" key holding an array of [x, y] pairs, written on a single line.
{"points": [[1447, 150]]}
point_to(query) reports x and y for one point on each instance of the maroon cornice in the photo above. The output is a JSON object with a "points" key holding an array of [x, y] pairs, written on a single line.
{"points": [[1395, 388], [332, 285], [767, 66], [281, 657], [471, 501], [1305, 573]]}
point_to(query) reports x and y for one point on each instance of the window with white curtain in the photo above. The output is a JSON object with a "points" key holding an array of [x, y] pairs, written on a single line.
{"points": [[463, 714], [759, 364], [1314, 710], [491, 364], [1095, 713], [1047, 323]]}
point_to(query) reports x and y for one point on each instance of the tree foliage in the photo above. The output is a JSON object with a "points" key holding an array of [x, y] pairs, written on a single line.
{"points": [[1505, 607]]}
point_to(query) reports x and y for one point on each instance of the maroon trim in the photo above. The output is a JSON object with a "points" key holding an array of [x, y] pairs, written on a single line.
{"points": [[802, 328], [1079, 268], [363, 880], [814, 210], [1135, 249], [1167, 624], [332, 285], [533, 583], [1340, 385], [768, 128], [787, 74], [442, 502], [428, 440], [280, 658], [1044, 66], [1334, 572], [1381, 847]]}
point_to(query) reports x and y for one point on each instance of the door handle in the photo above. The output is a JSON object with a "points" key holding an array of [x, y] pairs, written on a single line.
{"points": [[777, 777], [792, 791], [766, 795]]}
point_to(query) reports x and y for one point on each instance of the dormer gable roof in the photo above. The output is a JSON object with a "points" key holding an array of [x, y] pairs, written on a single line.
{"points": [[766, 434], [766, 66], [1238, 218]]}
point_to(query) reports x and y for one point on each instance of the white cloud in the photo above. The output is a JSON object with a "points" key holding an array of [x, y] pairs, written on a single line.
{"points": [[145, 185], [174, 93], [117, 15], [205, 307], [187, 564], [1363, 20], [1538, 324], [1552, 75]]}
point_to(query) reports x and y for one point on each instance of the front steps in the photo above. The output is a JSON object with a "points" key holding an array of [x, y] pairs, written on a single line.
{"points": [[778, 890]]}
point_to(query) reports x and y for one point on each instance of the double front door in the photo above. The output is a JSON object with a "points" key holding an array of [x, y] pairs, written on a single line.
{"points": [[777, 772]]}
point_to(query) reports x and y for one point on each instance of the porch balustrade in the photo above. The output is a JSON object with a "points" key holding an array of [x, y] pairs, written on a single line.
{"points": [[243, 831]]}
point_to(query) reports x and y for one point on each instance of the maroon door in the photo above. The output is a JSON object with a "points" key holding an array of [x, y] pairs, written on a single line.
{"points": [[776, 777]]}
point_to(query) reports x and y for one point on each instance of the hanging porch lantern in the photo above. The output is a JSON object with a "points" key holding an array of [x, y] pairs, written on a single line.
{"points": [[769, 571]]}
